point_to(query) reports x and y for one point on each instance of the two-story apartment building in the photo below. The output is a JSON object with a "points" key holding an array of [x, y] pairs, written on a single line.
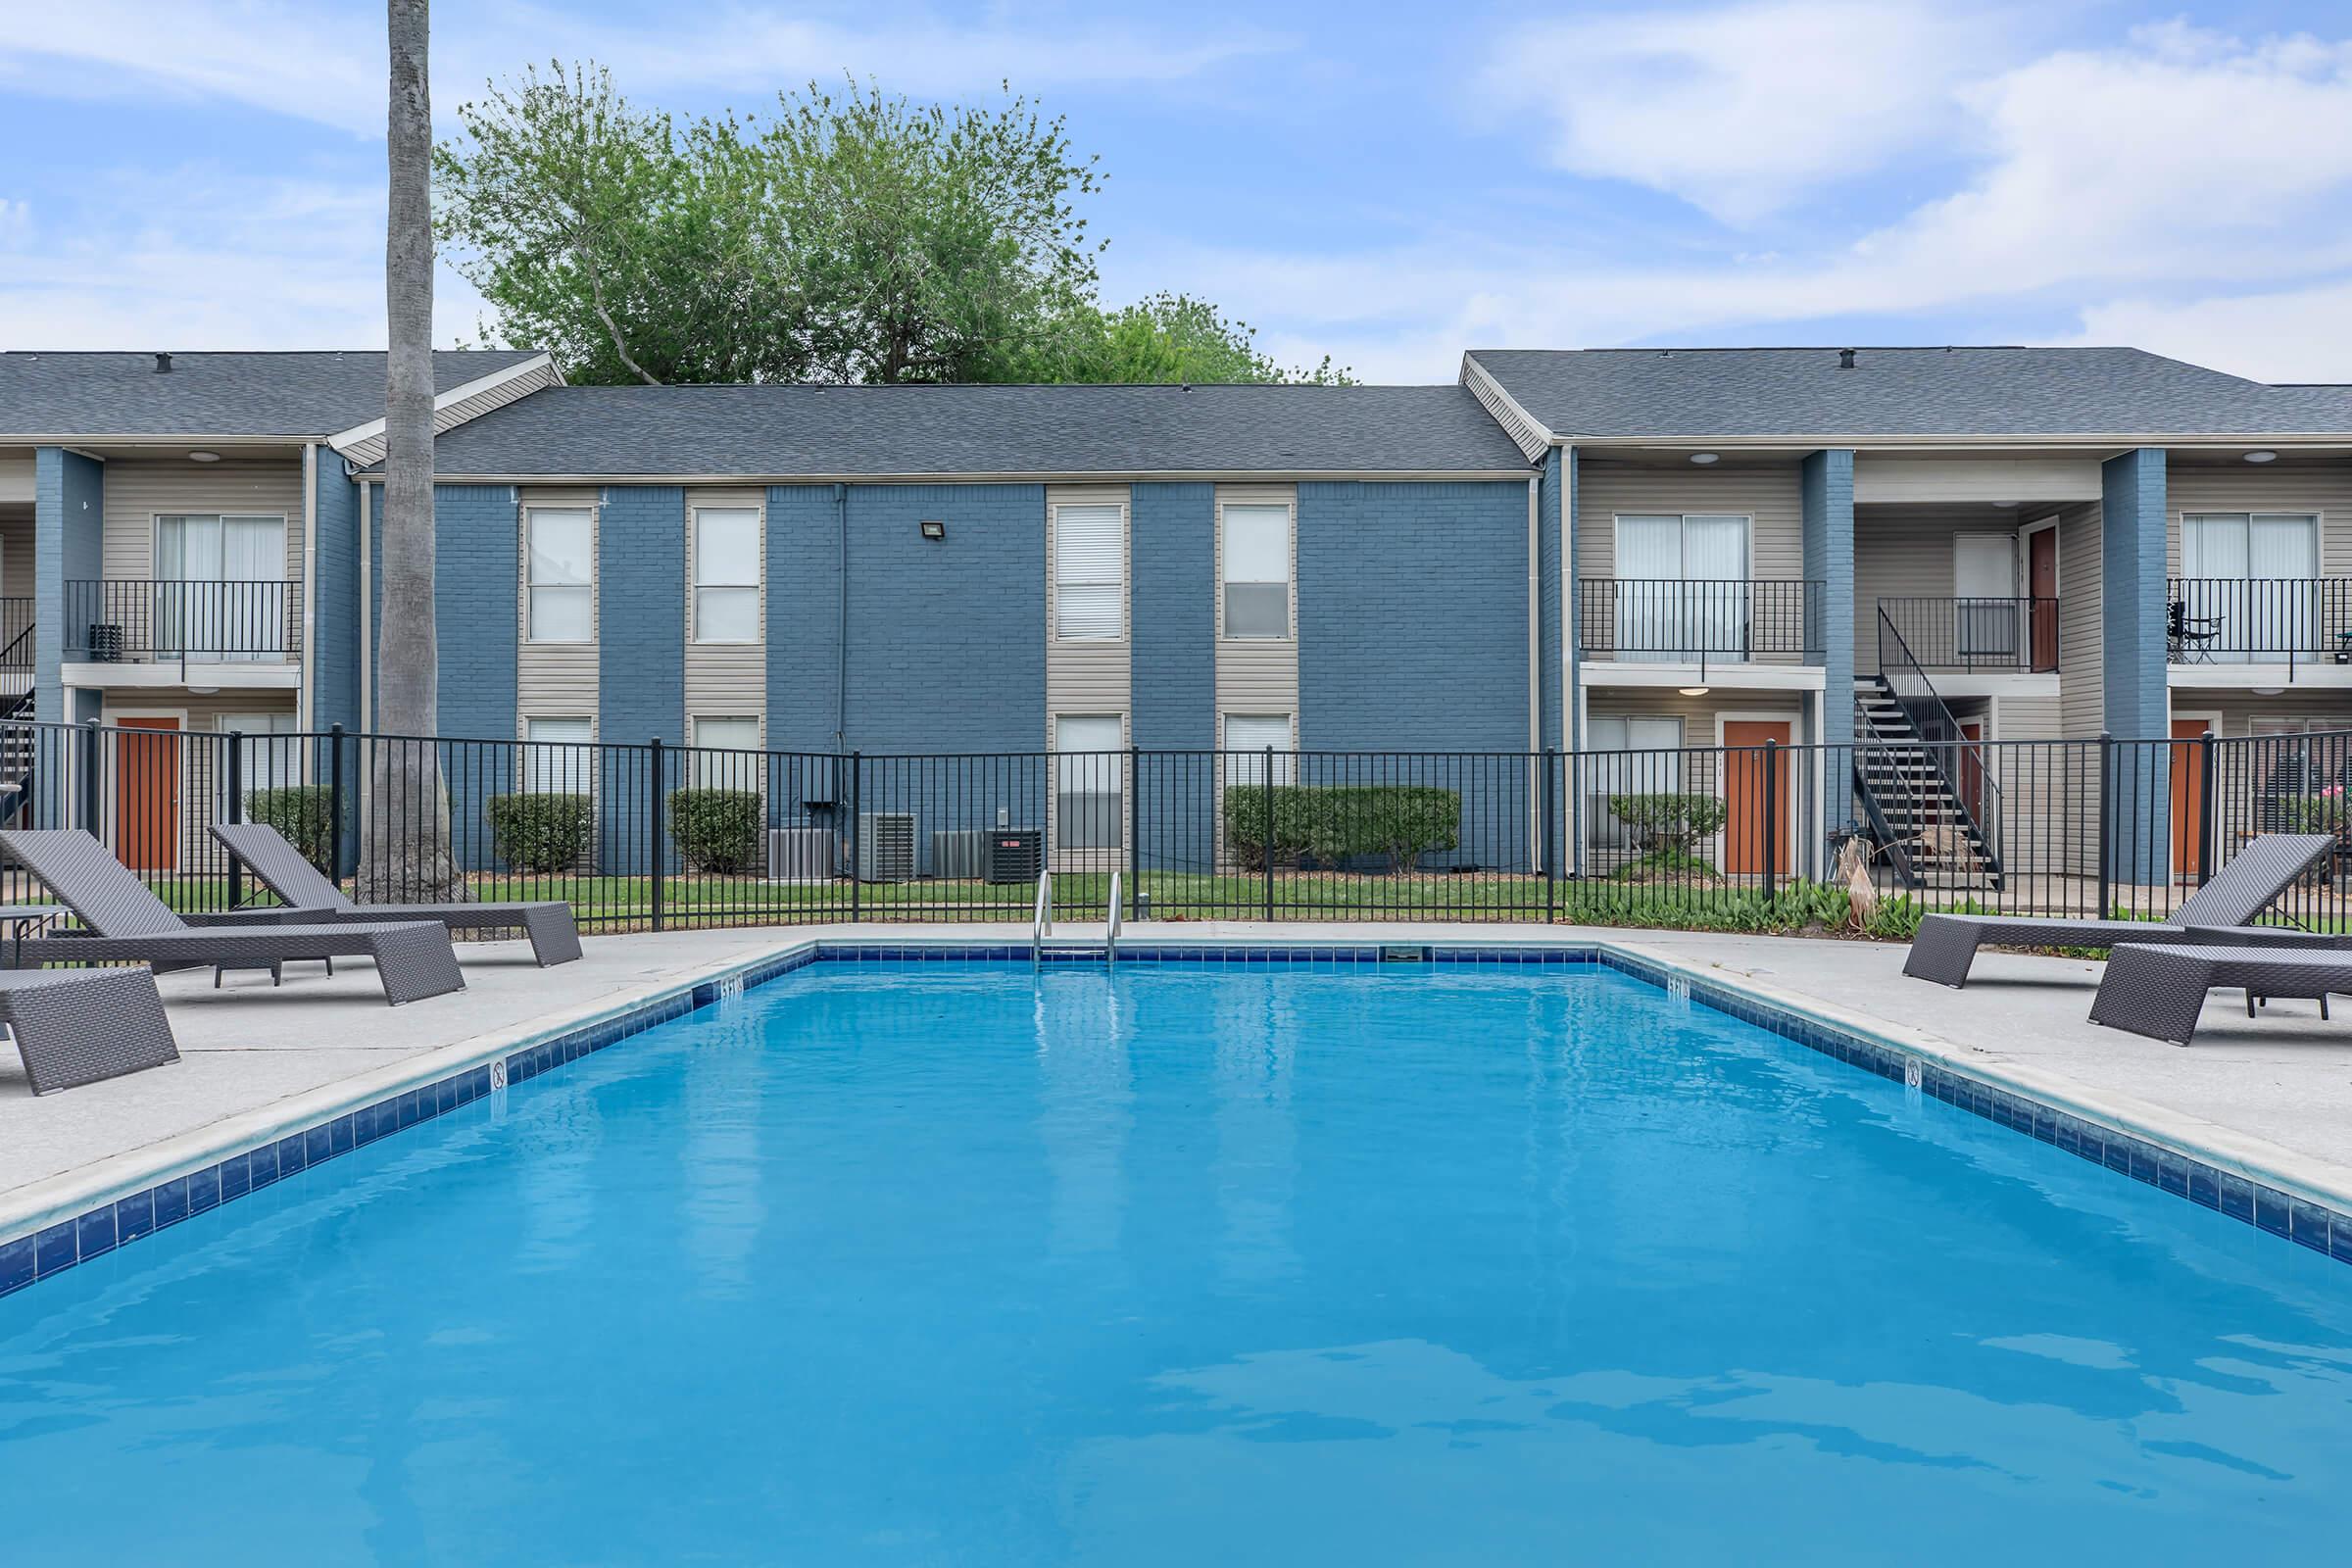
{"points": [[1607, 550]]}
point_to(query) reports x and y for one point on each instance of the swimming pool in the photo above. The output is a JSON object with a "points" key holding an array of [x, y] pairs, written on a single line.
{"points": [[951, 1262]]}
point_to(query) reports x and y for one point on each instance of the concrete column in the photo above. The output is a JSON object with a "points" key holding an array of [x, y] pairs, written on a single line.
{"points": [[1828, 486], [2131, 591], [68, 505]]}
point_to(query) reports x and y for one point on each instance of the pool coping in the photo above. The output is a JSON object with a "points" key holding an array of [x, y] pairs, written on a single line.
{"points": [[53, 1224]]}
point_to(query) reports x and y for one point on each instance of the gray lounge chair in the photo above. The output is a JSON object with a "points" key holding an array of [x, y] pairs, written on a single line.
{"points": [[2158, 989], [76, 1026], [129, 922], [282, 869], [1946, 944]]}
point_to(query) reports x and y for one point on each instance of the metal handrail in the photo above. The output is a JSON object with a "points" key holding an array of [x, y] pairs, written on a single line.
{"points": [[1111, 936], [1041, 923], [1938, 732]]}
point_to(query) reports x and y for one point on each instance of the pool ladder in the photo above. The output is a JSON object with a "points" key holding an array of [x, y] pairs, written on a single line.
{"points": [[1040, 924]]}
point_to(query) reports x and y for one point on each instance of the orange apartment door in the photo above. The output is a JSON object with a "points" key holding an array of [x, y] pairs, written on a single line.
{"points": [[1743, 841], [147, 795], [2189, 799], [2041, 577]]}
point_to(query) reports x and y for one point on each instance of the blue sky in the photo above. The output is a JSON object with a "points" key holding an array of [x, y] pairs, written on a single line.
{"points": [[1387, 184]]}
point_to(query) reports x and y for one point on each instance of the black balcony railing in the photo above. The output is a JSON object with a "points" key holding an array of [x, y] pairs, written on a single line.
{"points": [[2018, 635], [139, 620], [16, 636], [1675, 620], [2291, 620]]}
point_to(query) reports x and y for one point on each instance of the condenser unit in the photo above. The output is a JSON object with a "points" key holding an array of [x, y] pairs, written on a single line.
{"points": [[885, 846], [799, 853], [960, 855]]}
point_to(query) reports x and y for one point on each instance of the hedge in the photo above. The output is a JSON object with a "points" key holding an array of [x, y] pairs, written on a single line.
{"points": [[1400, 822], [542, 833], [300, 813], [718, 830]]}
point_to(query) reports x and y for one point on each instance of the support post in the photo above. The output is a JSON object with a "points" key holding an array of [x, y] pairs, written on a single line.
{"points": [[1772, 814], [849, 845], [1267, 778], [1135, 832], [236, 813], [1552, 835], [2106, 825], [2205, 807], [334, 803], [654, 823], [93, 750]]}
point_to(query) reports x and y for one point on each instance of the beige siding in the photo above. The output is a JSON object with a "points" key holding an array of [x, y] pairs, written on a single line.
{"points": [[1768, 494], [201, 764], [1906, 552], [2082, 651], [726, 680], [2329, 705], [2319, 485], [1597, 776], [2026, 718], [1087, 677], [2009, 478], [554, 680], [138, 491]]}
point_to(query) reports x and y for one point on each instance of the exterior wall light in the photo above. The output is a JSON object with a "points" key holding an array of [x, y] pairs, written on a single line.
{"points": [[933, 528], [2262, 455], [204, 456], [1702, 458], [1693, 690]]}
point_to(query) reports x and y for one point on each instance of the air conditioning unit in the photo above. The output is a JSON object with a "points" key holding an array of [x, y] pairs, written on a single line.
{"points": [[885, 846], [1014, 855], [960, 856], [800, 854]]}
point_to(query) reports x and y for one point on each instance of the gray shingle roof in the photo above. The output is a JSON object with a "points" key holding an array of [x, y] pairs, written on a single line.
{"points": [[787, 430], [1760, 393], [300, 394]]}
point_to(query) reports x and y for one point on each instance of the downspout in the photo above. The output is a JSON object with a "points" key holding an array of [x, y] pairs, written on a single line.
{"points": [[841, 634], [306, 700], [1534, 671], [367, 605]]}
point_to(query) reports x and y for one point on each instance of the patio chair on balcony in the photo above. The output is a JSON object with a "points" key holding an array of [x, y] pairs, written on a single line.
{"points": [[1946, 945], [2188, 638], [281, 869]]}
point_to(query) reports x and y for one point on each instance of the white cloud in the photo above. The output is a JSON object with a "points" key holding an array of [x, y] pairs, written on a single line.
{"points": [[276, 57], [2302, 334], [1741, 108]]}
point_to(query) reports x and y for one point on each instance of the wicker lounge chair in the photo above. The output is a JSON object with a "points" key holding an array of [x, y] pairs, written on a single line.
{"points": [[1946, 944], [2158, 989], [75, 1027], [129, 923], [281, 869]]}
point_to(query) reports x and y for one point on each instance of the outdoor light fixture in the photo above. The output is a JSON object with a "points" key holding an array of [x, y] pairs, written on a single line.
{"points": [[1702, 458], [1694, 691], [2268, 691], [204, 456], [2262, 455], [933, 528]]}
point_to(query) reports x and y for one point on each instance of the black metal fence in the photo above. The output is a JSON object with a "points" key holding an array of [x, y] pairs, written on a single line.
{"points": [[1691, 620], [1976, 634], [654, 836], [126, 618]]}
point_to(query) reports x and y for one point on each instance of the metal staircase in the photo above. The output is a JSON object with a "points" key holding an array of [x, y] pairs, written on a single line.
{"points": [[17, 751], [1910, 757]]}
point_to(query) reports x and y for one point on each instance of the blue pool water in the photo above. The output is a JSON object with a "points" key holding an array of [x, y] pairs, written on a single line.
{"points": [[946, 1263]]}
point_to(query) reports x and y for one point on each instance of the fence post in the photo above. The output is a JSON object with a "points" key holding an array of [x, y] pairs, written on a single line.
{"points": [[1135, 832], [856, 768], [1772, 814], [2106, 825], [93, 751], [236, 813], [335, 802], [2205, 807], [654, 804], [1267, 778], [1552, 831]]}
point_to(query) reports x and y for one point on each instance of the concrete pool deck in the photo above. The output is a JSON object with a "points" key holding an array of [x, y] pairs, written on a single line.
{"points": [[2272, 1097]]}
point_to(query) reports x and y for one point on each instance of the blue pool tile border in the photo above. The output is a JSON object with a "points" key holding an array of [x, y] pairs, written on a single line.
{"points": [[50, 1252]]}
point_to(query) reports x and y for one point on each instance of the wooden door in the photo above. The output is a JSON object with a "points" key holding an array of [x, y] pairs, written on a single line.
{"points": [[2189, 799], [2042, 572], [147, 793], [1744, 841]]}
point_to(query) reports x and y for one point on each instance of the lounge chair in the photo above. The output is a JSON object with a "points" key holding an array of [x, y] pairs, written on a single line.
{"points": [[2158, 989], [282, 869], [75, 1027], [127, 922], [1946, 944]]}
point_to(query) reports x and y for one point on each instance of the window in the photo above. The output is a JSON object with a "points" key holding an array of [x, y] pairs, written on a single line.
{"points": [[1087, 773], [1257, 571], [556, 758], [271, 759], [1681, 587], [726, 574], [2249, 581], [1246, 738], [563, 552], [1090, 573], [221, 588], [726, 754], [1630, 756]]}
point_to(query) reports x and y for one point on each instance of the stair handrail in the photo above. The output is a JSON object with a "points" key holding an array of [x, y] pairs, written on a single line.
{"points": [[16, 648], [1882, 826], [1111, 936], [1041, 922], [1940, 734]]}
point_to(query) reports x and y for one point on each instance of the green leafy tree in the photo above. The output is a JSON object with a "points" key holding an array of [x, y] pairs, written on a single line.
{"points": [[1166, 338]]}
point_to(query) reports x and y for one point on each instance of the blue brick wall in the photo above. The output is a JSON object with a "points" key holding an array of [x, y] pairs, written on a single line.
{"points": [[335, 596], [1173, 615], [641, 650], [2131, 540], [1826, 484], [67, 516], [804, 578], [1412, 636]]}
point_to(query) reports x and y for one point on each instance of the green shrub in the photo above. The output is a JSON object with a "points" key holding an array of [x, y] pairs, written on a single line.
{"points": [[1667, 863], [1671, 822], [299, 812], [542, 833], [1400, 821], [1246, 808], [718, 830]]}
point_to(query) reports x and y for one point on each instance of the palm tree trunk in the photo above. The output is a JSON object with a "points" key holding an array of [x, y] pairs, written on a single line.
{"points": [[405, 855]]}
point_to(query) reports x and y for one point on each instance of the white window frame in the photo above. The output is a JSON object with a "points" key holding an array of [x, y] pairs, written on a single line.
{"points": [[1245, 763], [178, 620], [1057, 581], [727, 772], [531, 586], [533, 757], [274, 741], [697, 587], [1115, 757], [1289, 512]]}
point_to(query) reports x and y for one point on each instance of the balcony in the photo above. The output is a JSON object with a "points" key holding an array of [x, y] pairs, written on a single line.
{"points": [[2001, 636], [1692, 621], [2288, 622], [147, 623]]}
